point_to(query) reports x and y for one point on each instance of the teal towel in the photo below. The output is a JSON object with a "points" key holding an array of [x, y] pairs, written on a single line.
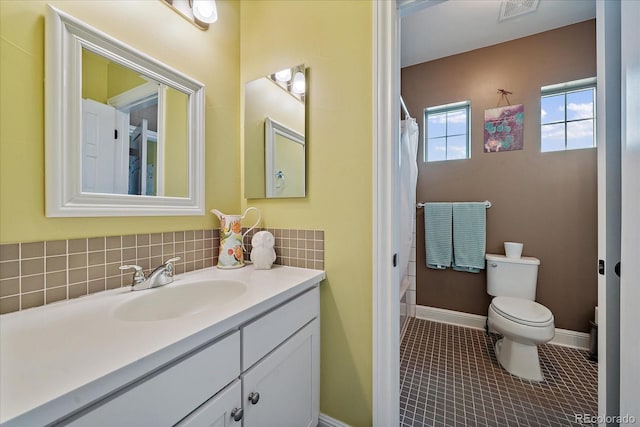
{"points": [[437, 235], [469, 236]]}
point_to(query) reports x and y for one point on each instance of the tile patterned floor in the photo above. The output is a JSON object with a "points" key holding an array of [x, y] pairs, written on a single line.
{"points": [[449, 376]]}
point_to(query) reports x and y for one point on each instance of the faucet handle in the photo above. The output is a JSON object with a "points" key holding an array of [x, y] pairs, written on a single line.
{"points": [[168, 269], [138, 275], [172, 260]]}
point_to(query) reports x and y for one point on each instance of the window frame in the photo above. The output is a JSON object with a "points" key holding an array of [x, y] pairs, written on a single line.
{"points": [[565, 89], [446, 108]]}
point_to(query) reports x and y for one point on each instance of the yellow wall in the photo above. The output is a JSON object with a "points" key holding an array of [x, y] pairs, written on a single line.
{"points": [[94, 76], [103, 79], [334, 40], [149, 26], [176, 150], [121, 79]]}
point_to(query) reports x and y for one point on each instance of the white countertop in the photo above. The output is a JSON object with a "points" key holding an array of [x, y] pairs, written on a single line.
{"points": [[60, 357]]}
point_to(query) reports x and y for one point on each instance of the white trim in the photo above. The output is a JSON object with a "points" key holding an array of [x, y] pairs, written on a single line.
{"points": [[385, 277], [630, 207], [409, 7], [569, 338], [160, 140], [608, 135], [459, 318], [447, 107], [563, 337], [568, 86], [326, 421], [143, 94], [121, 169], [151, 135]]}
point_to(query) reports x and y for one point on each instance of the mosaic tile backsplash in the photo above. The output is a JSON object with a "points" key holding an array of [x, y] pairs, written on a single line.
{"points": [[38, 273]]}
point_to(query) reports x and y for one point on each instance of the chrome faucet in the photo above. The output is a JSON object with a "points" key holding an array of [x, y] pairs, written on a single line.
{"points": [[162, 275]]}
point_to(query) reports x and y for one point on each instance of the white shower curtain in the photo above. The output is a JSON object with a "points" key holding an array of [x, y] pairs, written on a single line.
{"points": [[408, 183]]}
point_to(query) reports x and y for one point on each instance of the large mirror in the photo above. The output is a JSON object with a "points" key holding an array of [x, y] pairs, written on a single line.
{"points": [[274, 135], [124, 132]]}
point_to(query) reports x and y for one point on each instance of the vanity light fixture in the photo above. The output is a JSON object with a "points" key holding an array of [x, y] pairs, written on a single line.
{"points": [[284, 75], [200, 13], [292, 80], [299, 85]]}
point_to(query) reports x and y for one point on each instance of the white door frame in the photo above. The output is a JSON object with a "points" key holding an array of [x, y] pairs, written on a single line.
{"points": [[386, 135], [608, 130], [630, 211], [128, 100]]}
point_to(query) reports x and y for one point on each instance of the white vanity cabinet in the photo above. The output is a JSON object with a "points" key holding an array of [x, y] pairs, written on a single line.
{"points": [[282, 389], [265, 372], [281, 372], [166, 397]]}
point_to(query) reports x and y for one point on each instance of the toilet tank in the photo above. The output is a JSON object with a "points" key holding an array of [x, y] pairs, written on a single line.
{"points": [[512, 277]]}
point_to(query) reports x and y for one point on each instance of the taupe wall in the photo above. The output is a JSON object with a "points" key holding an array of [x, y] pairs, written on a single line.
{"points": [[548, 201]]}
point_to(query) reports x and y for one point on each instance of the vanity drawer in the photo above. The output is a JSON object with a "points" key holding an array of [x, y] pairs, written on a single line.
{"points": [[267, 332], [166, 397]]}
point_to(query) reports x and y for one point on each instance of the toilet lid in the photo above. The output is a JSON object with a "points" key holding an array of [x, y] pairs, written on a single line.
{"points": [[522, 311]]}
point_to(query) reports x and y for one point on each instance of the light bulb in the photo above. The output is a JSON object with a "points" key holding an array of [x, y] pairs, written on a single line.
{"points": [[205, 11], [299, 85], [284, 75]]}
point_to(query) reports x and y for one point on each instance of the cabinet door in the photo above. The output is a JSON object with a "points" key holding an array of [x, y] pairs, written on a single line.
{"points": [[283, 389], [222, 410]]}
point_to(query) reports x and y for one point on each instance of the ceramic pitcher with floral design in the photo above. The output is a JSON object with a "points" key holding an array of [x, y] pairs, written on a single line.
{"points": [[231, 247]]}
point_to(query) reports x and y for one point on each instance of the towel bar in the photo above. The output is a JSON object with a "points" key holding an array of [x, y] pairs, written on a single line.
{"points": [[487, 204]]}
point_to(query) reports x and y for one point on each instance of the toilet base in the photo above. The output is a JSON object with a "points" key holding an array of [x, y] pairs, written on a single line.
{"points": [[519, 359]]}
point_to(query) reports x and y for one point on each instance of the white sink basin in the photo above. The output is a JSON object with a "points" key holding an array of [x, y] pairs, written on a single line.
{"points": [[175, 300]]}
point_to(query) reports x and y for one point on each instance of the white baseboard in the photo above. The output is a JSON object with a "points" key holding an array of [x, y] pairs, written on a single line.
{"points": [[563, 337], [441, 315], [569, 338], [326, 421]]}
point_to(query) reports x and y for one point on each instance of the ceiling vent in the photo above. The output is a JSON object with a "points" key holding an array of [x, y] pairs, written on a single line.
{"points": [[512, 8]]}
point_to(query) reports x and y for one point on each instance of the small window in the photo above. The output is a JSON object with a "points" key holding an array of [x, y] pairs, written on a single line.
{"points": [[568, 116], [447, 132]]}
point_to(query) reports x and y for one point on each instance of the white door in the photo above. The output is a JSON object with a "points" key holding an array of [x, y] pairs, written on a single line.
{"points": [[98, 147], [121, 169], [630, 229], [283, 390]]}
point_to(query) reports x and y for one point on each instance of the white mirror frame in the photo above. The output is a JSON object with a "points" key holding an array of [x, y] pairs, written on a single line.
{"points": [[271, 129], [65, 37]]}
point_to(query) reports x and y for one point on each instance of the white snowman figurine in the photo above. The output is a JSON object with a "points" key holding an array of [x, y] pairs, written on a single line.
{"points": [[262, 252]]}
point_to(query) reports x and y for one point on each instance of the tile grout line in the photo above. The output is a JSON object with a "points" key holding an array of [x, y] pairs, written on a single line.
{"points": [[499, 399]]}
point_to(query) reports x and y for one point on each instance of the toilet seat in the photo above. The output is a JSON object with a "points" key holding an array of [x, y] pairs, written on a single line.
{"points": [[522, 311]]}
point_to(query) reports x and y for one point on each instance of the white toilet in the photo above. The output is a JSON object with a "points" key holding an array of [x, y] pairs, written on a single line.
{"points": [[513, 313]]}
